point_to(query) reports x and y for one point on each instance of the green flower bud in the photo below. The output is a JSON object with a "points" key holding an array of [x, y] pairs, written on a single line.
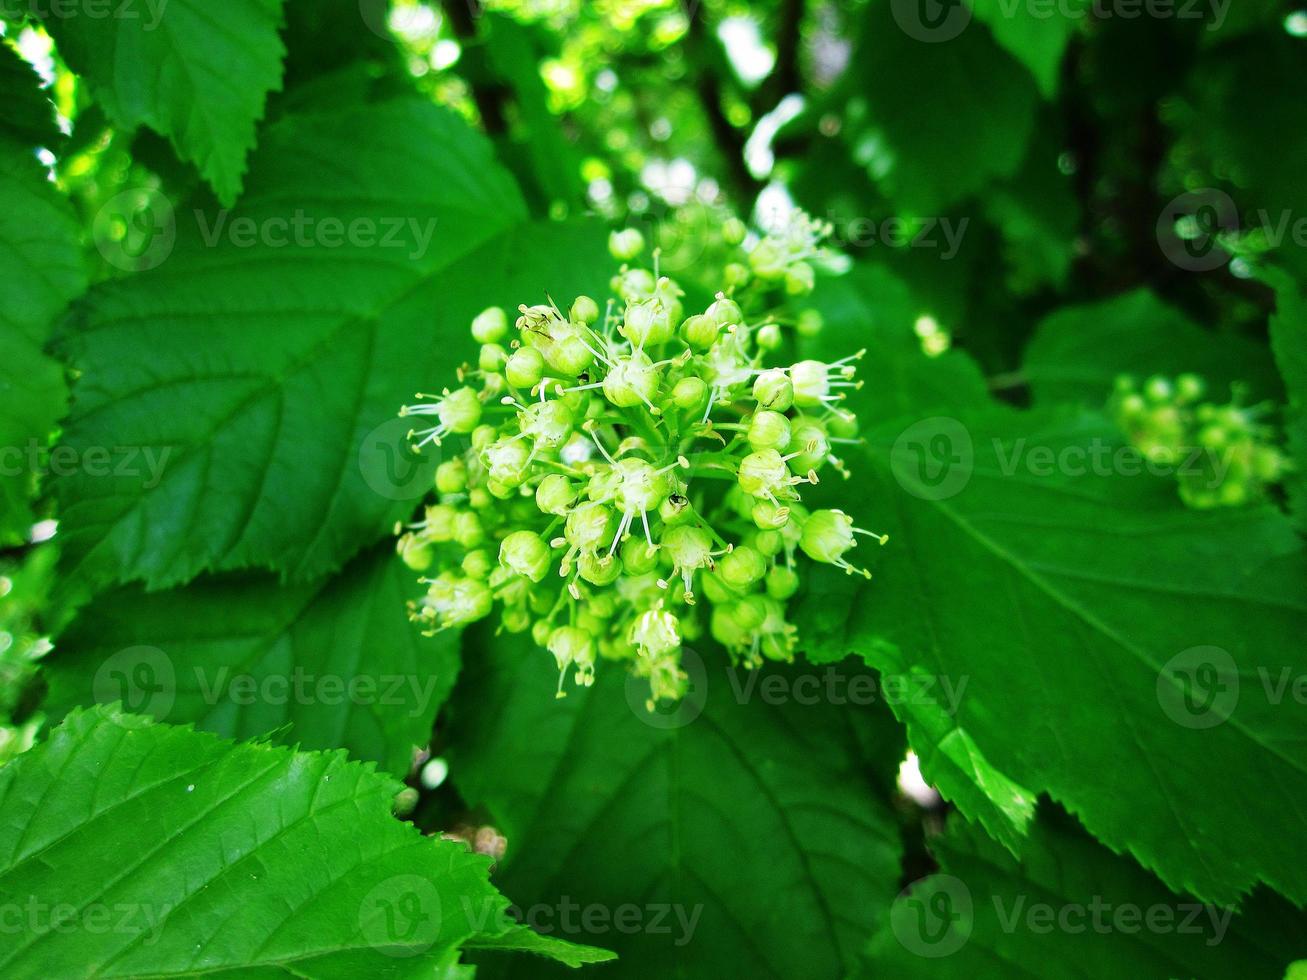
{"points": [[690, 394], [525, 368], [492, 358], [716, 590], [571, 646], [655, 633], [764, 474], [733, 231], [769, 336], [773, 390], [479, 499], [675, 510], [1189, 388], [637, 557], [584, 310], [599, 569], [490, 326], [468, 531], [646, 324], [478, 563], [483, 435], [769, 430], [555, 495], [1158, 389], [548, 424], [540, 631], [506, 461], [641, 487], [688, 546], [767, 543], [459, 411], [452, 601], [749, 612], [451, 476], [799, 279], [827, 534], [569, 355], [526, 553], [634, 284], [769, 516], [725, 311], [438, 521], [516, 619], [843, 425], [782, 582], [589, 527], [810, 323], [742, 567], [736, 275], [415, 552], [768, 260], [700, 331], [626, 244], [810, 442], [811, 380], [632, 380]]}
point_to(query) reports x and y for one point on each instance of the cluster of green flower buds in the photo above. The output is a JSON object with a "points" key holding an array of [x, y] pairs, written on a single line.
{"points": [[1223, 455], [604, 471]]}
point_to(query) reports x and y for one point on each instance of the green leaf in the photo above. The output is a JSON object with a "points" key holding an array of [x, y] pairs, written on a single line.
{"points": [[276, 373], [1070, 909], [673, 834], [193, 856], [1078, 352], [1076, 601], [331, 664], [42, 270], [26, 114], [1034, 34], [194, 74], [935, 121], [1289, 342]]}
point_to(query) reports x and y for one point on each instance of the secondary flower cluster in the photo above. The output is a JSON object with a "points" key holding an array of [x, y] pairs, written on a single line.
{"points": [[1223, 454], [617, 467]]}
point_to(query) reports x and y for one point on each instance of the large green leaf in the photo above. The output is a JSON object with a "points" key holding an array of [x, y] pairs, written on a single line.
{"points": [[1080, 605], [1079, 351], [739, 835], [1070, 909], [330, 664], [129, 848], [192, 72], [275, 373], [934, 121], [42, 269]]}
